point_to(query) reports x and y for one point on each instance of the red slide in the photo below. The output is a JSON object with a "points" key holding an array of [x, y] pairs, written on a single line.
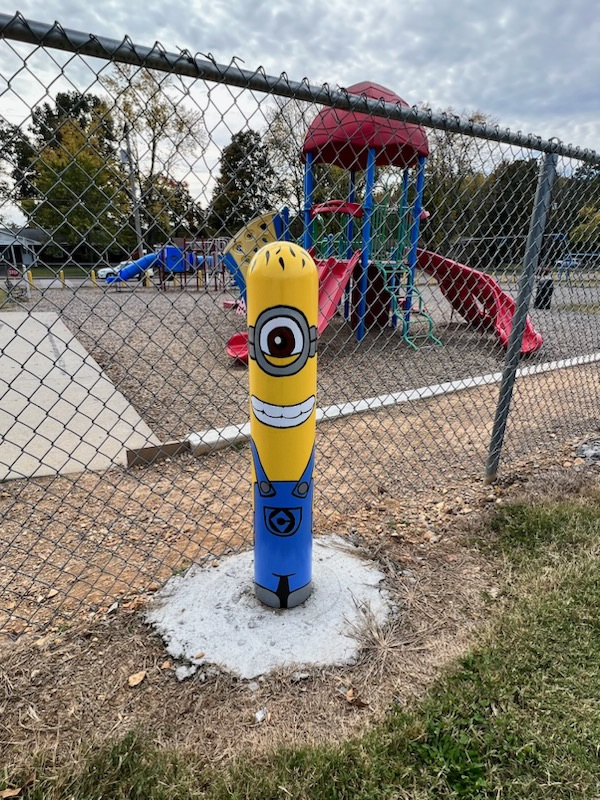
{"points": [[478, 298], [333, 279]]}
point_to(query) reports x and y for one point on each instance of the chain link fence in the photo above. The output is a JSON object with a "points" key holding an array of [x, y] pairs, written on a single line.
{"points": [[459, 304]]}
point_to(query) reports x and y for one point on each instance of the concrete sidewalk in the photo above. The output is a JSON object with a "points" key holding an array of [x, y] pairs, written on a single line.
{"points": [[59, 413]]}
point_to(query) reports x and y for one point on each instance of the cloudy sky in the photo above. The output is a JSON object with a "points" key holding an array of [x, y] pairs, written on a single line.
{"points": [[532, 65]]}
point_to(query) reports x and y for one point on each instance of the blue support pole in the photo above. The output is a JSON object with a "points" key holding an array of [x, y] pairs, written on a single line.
{"points": [[414, 241], [309, 188], [366, 245], [285, 219], [349, 237]]}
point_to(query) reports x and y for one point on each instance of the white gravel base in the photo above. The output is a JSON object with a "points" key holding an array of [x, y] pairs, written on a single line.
{"points": [[210, 615]]}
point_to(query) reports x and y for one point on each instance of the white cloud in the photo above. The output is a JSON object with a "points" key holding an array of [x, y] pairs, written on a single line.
{"points": [[529, 66]]}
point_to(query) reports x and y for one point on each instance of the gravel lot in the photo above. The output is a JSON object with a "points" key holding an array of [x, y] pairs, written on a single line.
{"points": [[75, 545], [166, 351]]}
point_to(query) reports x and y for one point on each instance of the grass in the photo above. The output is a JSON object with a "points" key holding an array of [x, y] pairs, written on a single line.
{"points": [[518, 717]]}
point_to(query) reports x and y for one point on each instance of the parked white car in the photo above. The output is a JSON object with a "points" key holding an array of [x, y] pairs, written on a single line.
{"points": [[104, 272], [568, 263]]}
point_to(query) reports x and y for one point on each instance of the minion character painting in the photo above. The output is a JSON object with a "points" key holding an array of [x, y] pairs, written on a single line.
{"points": [[282, 292]]}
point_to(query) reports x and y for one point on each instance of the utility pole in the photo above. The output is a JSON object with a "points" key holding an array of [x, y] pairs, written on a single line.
{"points": [[126, 158]]}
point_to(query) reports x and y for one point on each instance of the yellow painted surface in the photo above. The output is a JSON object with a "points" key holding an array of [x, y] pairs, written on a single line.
{"points": [[249, 240], [282, 287]]}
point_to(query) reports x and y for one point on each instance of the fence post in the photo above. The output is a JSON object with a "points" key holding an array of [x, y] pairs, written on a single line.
{"points": [[547, 175]]}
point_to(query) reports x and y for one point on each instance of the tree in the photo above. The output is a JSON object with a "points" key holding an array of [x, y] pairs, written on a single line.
{"points": [[17, 156], [165, 138], [575, 199], [173, 212], [586, 235], [80, 195], [287, 124], [454, 176], [245, 187], [19, 151], [48, 122], [510, 191]]}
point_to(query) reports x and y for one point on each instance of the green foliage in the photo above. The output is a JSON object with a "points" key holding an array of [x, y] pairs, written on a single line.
{"points": [[510, 192], [453, 180], [86, 110], [16, 155], [80, 194], [586, 234], [168, 210], [245, 186]]}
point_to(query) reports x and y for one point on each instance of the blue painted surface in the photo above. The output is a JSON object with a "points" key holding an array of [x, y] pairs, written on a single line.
{"points": [[309, 188], [366, 245], [231, 264], [135, 268], [282, 531]]}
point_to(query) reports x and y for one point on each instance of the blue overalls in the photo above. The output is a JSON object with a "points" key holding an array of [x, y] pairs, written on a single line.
{"points": [[282, 536]]}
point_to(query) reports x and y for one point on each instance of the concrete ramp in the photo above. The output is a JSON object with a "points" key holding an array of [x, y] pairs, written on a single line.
{"points": [[59, 413]]}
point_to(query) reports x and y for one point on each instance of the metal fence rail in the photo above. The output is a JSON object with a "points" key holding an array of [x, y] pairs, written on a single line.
{"points": [[460, 299]]}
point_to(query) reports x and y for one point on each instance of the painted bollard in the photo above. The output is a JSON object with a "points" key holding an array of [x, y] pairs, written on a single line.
{"points": [[282, 300]]}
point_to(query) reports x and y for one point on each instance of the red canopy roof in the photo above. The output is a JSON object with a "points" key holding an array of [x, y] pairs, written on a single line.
{"points": [[343, 138]]}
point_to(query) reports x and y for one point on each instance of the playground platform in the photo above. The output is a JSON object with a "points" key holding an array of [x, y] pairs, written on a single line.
{"points": [[59, 413]]}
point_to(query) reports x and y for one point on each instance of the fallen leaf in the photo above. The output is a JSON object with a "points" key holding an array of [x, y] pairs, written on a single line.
{"points": [[354, 699], [6, 793], [52, 593], [200, 655], [136, 678], [166, 664]]}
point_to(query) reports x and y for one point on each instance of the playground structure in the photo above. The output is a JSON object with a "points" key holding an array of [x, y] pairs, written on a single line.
{"points": [[367, 253], [196, 262]]}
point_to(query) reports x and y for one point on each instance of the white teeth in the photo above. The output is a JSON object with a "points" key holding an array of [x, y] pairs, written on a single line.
{"points": [[282, 416]]}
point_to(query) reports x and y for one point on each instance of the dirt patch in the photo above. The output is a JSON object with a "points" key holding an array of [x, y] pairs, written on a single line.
{"points": [[65, 689], [75, 545], [71, 688]]}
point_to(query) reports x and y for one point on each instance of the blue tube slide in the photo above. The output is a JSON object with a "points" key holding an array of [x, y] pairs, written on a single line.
{"points": [[133, 269]]}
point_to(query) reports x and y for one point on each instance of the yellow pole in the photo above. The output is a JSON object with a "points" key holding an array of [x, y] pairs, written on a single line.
{"points": [[61, 275], [30, 278], [93, 277], [282, 296]]}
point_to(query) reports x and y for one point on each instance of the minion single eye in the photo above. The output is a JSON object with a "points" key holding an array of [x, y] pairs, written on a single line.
{"points": [[282, 334], [281, 337]]}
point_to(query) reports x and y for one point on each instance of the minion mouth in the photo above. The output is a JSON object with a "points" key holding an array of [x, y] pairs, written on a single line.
{"points": [[282, 416]]}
